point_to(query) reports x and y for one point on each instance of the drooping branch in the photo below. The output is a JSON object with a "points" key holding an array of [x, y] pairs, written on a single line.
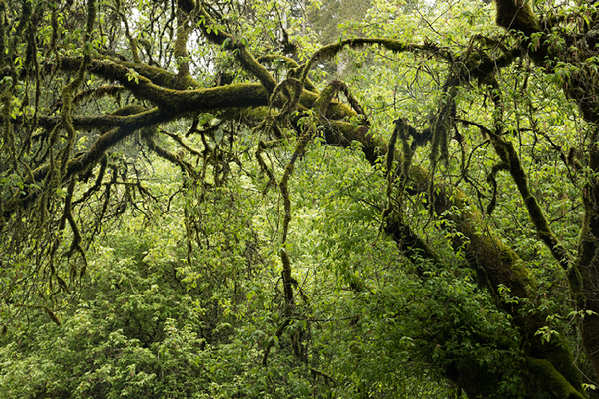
{"points": [[492, 179], [83, 162], [163, 153], [109, 139], [68, 91]]}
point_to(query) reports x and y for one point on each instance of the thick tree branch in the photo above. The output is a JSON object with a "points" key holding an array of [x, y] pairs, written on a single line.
{"points": [[157, 75]]}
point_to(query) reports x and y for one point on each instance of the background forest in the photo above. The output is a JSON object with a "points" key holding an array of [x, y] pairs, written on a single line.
{"points": [[299, 199]]}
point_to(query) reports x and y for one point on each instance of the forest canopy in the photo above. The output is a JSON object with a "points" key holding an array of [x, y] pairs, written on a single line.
{"points": [[284, 198]]}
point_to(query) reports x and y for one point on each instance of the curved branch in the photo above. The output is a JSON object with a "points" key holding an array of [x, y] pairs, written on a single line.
{"points": [[227, 41], [97, 92], [507, 153], [396, 46]]}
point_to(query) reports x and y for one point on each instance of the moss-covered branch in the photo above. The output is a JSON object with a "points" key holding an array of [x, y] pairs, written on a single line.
{"points": [[326, 97], [289, 63], [163, 153], [96, 152], [68, 91], [157, 75], [239, 49], [507, 153], [178, 101], [587, 262], [396, 46], [132, 41], [97, 92]]}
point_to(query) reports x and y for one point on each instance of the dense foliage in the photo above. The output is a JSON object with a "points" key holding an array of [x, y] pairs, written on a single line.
{"points": [[249, 199]]}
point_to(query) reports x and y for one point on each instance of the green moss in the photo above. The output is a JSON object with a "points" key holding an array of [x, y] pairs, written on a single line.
{"points": [[327, 94], [517, 15], [544, 371]]}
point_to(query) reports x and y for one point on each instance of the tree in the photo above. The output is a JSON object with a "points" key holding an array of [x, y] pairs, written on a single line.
{"points": [[84, 92]]}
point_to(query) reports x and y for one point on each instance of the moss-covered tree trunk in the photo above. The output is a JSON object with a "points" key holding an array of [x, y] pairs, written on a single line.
{"points": [[586, 268], [582, 87]]}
